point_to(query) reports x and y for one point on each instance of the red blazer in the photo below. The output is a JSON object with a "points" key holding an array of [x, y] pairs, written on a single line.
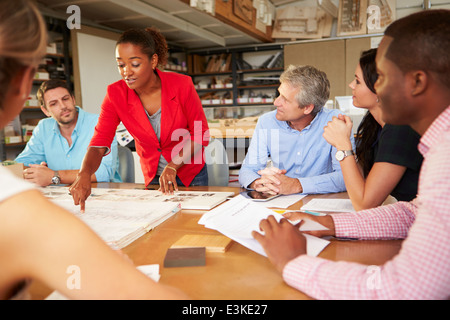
{"points": [[182, 117]]}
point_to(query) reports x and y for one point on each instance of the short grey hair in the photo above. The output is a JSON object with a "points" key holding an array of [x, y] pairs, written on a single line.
{"points": [[313, 84]]}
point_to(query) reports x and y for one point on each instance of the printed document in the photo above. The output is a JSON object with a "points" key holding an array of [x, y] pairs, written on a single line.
{"points": [[238, 217], [329, 205]]}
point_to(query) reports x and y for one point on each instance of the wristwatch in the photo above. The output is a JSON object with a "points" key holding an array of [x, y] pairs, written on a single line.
{"points": [[56, 179], [341, 154]]}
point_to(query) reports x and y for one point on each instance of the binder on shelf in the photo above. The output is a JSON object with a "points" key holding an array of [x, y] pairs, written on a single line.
{"points": [[13, 131], [243, 65], [275, 62], [219, 63]]}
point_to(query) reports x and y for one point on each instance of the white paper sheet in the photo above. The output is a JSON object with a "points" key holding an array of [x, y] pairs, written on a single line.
{"points": [[238, 217], [329, 205], [201, 200], [283, 201], [309, 225], [121, 222]]}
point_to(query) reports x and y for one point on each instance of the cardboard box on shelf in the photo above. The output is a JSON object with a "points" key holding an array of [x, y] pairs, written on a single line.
{"points": [[42, 76], [13, 139], [27, 132], [32, 103], [13, 131], [51, 48]]}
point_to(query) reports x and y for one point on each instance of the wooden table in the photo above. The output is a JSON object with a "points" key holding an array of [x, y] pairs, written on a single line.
{"points": [[239, 273]]}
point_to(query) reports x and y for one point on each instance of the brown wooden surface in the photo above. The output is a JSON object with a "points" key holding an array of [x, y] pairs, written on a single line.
{"points": [[225, 12], [239, 273]]}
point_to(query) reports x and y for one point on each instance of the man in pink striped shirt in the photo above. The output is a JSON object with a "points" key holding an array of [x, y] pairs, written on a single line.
{"points": [[414, 88]]}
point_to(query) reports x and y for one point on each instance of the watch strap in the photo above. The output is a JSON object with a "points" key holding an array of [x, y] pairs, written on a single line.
{"points": [[56, 179], [348, 153]]}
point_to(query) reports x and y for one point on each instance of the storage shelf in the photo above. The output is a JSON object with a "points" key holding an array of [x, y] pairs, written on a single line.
{"points": [[240, 104], [217, 105], [272, 56], [261, 86], [260, 70], [215, 89], [208, 74], [257, 104], [15, 145]]}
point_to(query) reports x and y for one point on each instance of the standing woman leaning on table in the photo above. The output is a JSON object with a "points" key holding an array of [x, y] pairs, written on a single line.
{"points": [[37, 238], [387, 159], [161, 110]]}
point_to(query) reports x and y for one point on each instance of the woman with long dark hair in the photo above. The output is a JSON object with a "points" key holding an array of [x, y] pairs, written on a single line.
{"points": [[387, 161]]}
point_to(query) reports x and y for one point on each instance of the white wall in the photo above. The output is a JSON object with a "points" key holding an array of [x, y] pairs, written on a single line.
{"points": [[97, 69]]}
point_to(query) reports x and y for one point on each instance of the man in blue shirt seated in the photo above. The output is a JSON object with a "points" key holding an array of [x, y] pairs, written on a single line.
{"points": [[56, 149], [290, 140]]}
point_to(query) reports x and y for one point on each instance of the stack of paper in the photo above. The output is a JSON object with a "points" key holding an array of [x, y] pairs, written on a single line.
{"points": [[201, 200], [120, 223], [238, 217], [120, 216]]}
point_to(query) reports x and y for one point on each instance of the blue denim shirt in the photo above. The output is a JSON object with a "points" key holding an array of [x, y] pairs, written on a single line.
{"points": [[48, 145], [305, 154]]}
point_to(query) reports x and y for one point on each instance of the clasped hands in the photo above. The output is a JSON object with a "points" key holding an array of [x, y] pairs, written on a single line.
{"points": [[338, 131], [275, 181]]}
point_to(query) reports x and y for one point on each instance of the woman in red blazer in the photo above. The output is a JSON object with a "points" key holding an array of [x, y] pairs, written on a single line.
{"points": [[161, 110]]}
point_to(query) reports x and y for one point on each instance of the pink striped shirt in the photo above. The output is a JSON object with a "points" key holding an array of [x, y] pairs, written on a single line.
{"points": [[421, 270]]}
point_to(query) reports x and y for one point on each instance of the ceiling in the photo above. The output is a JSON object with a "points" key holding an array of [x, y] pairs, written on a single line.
{"points": [[182, 25]]}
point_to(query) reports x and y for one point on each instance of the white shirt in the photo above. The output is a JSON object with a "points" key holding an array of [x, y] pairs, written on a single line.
{"points": [[11, 185]]}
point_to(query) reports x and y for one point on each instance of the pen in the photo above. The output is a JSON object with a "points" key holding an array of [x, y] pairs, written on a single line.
{"points": [[304, 211], [313, 213]]}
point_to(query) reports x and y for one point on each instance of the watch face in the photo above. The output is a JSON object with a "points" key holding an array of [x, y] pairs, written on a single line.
{"points": [[340, 155], [56, 180]]}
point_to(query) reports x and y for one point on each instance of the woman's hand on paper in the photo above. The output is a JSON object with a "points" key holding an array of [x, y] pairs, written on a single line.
{"points": [[326, 221], [282, 241], [80, 190], [168, 180]]}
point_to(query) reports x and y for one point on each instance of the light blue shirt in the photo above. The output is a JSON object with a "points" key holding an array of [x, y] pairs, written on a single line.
{"points": [[306, 155], [48, 145]]}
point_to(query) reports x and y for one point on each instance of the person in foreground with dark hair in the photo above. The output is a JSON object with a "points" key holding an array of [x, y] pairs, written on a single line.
{"points": [[161, 110], [387, 160], [59, 143], [414, 89]]}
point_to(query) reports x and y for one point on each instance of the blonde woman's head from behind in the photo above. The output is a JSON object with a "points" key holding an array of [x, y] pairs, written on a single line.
{"points": [[23, 41]]}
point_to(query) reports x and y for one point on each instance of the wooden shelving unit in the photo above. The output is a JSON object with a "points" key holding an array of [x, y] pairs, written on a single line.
{"points": [[239, 92]]}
